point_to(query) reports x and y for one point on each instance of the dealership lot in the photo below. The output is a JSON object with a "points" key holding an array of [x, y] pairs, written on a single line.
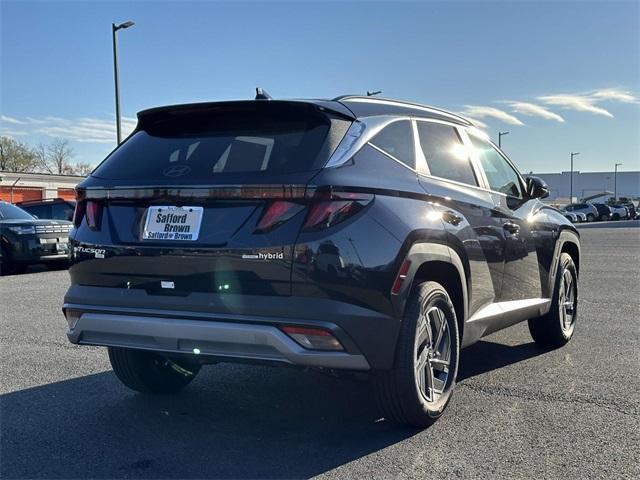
{"points": [[518, 411]]}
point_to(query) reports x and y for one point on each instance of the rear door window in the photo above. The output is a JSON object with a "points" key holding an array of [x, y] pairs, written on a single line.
{"points": [[445, 153], [396, 140]]}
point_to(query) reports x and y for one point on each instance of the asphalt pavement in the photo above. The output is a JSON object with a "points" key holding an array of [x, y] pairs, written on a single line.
{"points": [[518, 411]]}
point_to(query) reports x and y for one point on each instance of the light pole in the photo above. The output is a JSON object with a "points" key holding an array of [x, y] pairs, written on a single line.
{"points": [[114, 29], [500, 134], [573, 154], [615, 182]]}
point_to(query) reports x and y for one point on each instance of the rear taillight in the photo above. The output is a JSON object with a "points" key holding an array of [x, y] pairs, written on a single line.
{"points": [[93, 213], [78, 212], [339, 207], [313, 338], [276, 213]]}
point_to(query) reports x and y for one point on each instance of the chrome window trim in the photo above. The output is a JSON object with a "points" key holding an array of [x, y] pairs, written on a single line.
{"points": [[358, 135]]}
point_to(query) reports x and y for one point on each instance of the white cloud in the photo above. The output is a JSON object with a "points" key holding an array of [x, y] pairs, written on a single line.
{"points": [[533, 110], [12, 120], [84, 130], [615, 94], [478, 111], [581, 103]]}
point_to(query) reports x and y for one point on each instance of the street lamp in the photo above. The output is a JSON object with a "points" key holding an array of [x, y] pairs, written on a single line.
{"points": [[114, 29], [615, 182], [500, 134], [573, 154]]}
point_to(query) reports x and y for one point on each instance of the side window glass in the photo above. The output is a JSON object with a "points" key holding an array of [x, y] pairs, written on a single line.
{"points": [[61, 211], [501, 176], [445, 153], [397, 140]]}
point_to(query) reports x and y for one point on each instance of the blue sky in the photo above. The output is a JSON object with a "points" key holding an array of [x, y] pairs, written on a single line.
{"points": [[560, 76]]}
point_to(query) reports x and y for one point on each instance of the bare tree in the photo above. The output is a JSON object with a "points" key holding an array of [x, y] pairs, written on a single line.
{"points": [[82, 169], [59, 155]]}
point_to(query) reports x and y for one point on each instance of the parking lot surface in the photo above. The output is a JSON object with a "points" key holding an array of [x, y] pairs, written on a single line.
{"points": [[517, 412]]}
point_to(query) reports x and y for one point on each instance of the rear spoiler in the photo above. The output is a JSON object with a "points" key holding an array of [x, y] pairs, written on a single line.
{"points": [[153, 115]]}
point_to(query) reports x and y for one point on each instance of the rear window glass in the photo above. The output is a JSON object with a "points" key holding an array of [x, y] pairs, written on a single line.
{"points": [[11, 212], [248, 139], [397, 140]]}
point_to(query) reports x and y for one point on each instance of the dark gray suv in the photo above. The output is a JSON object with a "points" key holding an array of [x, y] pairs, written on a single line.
{"points": [[354, 234]]}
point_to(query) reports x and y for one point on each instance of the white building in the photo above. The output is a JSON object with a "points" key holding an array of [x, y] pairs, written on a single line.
{"points": [[17, 187], [587, 184]]}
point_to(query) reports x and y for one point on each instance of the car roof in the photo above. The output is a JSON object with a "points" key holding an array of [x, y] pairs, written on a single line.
{"points": [[350, 106]]}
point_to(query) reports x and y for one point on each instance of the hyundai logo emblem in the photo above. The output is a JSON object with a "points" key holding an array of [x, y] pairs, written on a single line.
{"points": [[176, 171]]}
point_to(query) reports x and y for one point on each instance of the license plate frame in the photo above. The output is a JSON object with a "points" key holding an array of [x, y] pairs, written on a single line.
{"points": [[173, 223]]}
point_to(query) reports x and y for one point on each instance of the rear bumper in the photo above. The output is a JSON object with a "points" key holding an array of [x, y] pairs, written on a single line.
{"points": [[218, 339], [232, 326]]}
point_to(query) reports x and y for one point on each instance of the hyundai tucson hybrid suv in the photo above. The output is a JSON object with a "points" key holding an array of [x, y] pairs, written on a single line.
{"points": [[354, 234]]}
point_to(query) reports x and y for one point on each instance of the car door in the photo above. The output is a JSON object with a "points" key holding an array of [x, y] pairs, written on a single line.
{"points": [[522, 220], [474, 227]]}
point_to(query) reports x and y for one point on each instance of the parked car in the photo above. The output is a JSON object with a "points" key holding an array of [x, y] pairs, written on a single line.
{"points": [[26, 240], [51, 208], [572, 217], [314, 233], [590, 212], [581, 217], [604, 212], [631, 209], [618, 212]]}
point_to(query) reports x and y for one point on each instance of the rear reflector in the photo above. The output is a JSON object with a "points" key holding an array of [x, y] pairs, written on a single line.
{"points": [[72, 317], [313, 338], [402, 274]]}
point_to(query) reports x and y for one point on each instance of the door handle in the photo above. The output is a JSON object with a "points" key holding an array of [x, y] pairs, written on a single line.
{"points": [[511, 227]]}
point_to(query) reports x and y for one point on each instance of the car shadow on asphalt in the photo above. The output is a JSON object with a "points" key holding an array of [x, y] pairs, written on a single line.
{"points": [[234, 421], [485, 356]]}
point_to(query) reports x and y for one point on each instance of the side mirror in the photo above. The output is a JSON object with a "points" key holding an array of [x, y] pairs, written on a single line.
{"points": [[537, 188]]}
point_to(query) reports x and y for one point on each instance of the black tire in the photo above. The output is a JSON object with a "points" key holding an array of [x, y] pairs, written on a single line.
{"points": [[150, 372], [397, 391], [616, 216], [591, 217], [9, 267], [551, 330]]}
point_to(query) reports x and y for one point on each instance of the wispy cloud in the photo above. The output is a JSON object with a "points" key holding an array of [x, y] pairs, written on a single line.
{"points": [[534, 110], [480, 111], [589, 102], [83, 130], [581, 103]]}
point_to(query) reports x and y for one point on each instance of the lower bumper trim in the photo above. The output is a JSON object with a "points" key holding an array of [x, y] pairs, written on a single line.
{"points": [[221, 339]]}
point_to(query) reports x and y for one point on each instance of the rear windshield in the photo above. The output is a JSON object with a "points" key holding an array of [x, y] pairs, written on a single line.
{"points": [[11, 212], [246, 138]]}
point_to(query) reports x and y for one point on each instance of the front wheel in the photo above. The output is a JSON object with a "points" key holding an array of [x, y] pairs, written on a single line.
{"points": [[418, 388], [151, 372], [555, 328], [591, 217]]}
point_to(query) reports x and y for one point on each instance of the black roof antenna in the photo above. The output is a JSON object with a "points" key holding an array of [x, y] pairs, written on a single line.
{"points": [[371, 93], [262, 94]]}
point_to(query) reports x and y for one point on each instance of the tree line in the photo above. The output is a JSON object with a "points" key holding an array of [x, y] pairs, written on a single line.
{"points": [[55, 157]]}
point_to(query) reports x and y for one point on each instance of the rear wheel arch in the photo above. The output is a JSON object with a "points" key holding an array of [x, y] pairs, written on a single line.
{"points": [[438, 263]]}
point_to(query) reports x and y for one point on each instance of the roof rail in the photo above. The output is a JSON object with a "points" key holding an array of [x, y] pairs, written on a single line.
{"points": [[373, 99]]}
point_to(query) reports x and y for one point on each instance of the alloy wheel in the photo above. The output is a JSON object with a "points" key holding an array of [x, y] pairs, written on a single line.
{"points": [[433, 354], [567, 302]]}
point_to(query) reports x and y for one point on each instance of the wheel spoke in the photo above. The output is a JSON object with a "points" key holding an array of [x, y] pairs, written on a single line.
{"points": [[440, 323]]}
